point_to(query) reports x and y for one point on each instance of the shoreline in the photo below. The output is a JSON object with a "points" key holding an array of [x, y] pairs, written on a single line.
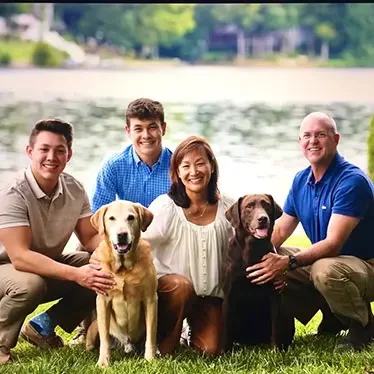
{"points": [[124, 64]]}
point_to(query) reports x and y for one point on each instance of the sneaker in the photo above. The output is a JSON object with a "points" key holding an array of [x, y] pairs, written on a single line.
{"points": [[185, 338], [5, 356], [32, 336], [79, 338], [358, 337]]}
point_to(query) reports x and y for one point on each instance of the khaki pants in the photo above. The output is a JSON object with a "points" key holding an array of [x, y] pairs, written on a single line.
{"points": [[343, 284], [177, 300], [21, 293]]}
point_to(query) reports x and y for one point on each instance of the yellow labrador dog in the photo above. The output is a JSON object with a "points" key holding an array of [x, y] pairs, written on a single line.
{"points": [[129, 311]]}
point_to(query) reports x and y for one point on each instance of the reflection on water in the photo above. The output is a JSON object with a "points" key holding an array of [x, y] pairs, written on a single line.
{"points": [[256, 144]]}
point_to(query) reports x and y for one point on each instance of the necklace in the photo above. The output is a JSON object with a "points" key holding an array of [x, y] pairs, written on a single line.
{"points": [[202, 213]]}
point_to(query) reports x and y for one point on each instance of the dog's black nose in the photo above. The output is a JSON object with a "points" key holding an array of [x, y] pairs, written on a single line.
{"points": [[122, 238], [263, 219]]}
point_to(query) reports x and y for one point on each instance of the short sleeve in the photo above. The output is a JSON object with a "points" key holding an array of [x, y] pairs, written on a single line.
{"points": [[289, 204], [163, 210], [13, 210], [352, 197], [228, 201], [86, 207]]}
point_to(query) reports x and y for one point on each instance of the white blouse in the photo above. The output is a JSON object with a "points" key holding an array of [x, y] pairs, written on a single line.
{"points": [[182, 247]]}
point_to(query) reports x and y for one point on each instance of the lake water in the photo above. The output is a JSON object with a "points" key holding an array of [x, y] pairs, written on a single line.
{"points": [[250, 116]]}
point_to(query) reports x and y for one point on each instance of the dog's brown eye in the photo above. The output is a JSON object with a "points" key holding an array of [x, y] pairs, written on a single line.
{"points": [[130, 217], [112, 218]]}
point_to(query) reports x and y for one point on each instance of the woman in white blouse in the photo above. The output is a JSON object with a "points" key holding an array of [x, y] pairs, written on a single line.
{"points": [[189, 235]]}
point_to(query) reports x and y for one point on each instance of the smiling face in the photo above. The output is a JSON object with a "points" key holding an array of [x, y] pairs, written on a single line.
{"points": [[255, 213], [121, 222], [318, 139], [49, 155], [146, 137], [195, 171]]}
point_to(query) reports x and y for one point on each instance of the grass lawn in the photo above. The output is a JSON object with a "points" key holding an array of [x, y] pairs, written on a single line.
{"points": [[307, 355], [21, 51]]}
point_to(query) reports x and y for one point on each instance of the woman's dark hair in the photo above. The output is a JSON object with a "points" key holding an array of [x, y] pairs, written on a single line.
{"points": [[177, 190]]}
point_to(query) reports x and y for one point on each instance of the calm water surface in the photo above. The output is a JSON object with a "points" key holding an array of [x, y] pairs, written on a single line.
{"points": [[250, 116]]}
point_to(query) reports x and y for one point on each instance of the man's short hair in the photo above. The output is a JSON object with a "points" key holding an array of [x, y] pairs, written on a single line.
{"points": [[145, 109], [54, 125]]}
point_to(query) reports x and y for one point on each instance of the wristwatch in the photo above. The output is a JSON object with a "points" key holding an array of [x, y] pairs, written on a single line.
{"points": [[292, 264]]}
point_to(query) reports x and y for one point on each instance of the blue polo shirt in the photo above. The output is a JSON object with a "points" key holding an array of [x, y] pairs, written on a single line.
{"points": [[344, 189], [126, 177]]}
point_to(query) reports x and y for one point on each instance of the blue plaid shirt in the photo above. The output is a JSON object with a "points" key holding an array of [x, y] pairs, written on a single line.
{"points": [[126, 177]]}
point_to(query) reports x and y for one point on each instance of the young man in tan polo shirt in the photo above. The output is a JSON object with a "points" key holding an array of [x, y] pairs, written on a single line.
{"points": [[39, 210]]}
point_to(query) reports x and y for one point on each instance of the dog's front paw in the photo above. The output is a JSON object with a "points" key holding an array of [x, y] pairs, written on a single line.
{"points": [[103, 361], [149, 353], [89, 346]]}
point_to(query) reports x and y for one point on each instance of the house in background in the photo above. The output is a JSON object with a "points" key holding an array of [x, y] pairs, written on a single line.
{"points": [[29, 27], [252, 44]]}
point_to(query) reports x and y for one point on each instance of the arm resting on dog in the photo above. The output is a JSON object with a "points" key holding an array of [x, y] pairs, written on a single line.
{"points": [[272, 265], [87, 234], [284, 226], [17, 242]]}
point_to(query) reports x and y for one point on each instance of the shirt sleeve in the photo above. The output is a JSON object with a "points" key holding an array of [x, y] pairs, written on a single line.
{"points": [[104, 191], [157, 231], [352, 197], [13, 210], [86, 207], [289, 205]]}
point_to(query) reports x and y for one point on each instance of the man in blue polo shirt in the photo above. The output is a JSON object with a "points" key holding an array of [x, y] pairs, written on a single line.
{"points": [[334, 201], [140, 172]]}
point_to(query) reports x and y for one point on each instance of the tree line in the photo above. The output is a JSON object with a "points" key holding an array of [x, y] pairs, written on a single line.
{"points": [[335, 30]]}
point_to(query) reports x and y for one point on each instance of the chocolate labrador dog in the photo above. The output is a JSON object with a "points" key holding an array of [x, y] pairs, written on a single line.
{"points": [[252, 314]]}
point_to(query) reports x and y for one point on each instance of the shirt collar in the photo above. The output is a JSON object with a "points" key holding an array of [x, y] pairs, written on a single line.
{"points": [[335, 161], [138, 160], [37, 191]]}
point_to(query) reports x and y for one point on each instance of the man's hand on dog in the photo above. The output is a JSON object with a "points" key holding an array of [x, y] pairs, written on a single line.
{"points": [[91, 276], [272, 266]]}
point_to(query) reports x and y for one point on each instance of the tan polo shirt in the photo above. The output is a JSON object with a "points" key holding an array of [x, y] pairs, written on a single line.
{"points": [[52, 220]]}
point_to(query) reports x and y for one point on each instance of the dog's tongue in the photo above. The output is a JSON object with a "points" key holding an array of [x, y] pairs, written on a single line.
{"points": [[262, 233], [122, 248]]}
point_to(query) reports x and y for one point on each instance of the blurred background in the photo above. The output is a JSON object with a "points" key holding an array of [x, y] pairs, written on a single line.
{"points": [[241, 75]]}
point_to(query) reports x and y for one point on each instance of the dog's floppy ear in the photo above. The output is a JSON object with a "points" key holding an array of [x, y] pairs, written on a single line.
{"points": [[146, 216], [278, 211], [233, 213], [97, 219]]}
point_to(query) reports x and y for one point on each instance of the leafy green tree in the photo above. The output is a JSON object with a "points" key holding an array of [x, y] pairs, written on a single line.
{"points": [[9, 9], [107, 23], [360, 32], [333, 17], [326, 33], [153, 24], [279, 17]]}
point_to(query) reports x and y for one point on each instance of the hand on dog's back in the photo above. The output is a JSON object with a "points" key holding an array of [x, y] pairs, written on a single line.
{"points": [[91, 276]]}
